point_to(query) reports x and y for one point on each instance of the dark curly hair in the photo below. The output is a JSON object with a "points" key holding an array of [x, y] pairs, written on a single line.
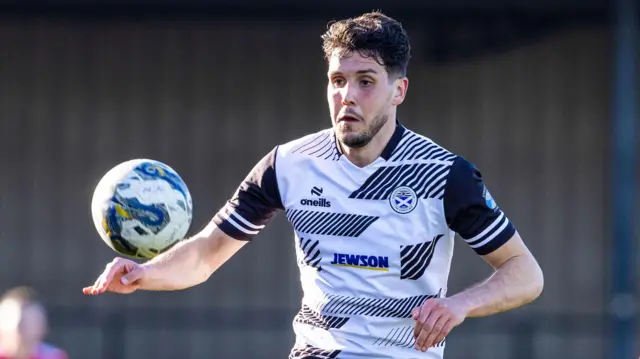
{"points": [[372, 35]]}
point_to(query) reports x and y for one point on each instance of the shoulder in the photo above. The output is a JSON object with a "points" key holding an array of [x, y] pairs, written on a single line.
{"points": [[462, 170], [416, 147], [321, 145]]}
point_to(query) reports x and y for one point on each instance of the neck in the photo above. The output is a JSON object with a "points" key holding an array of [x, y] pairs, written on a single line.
{"points": [[363, 156]]}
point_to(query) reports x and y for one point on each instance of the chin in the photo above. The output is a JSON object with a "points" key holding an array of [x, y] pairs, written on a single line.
{"points": [[353, 139], [354, 129]]}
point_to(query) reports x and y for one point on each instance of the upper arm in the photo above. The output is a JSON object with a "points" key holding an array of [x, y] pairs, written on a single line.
{"points": [[471, 211], [255, 202]]}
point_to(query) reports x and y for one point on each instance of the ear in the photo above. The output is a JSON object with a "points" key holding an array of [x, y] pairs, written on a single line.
{"points": [[400, 90]]}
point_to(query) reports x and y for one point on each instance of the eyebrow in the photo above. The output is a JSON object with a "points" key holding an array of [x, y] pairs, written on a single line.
{"points": [[359, 72], [366, 71]]}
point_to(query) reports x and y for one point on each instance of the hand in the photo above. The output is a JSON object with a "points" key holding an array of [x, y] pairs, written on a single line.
{"points": [[120, 276], [435, 319]]}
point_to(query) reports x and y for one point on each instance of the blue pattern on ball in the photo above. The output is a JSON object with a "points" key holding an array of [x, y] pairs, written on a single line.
{"points": [[149, 170]]}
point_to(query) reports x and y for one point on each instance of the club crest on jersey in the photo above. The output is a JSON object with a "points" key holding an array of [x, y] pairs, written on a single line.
{"points": [[403, 200]]}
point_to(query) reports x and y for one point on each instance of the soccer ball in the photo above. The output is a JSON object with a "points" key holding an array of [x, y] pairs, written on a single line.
{"points": [[141, 208]]}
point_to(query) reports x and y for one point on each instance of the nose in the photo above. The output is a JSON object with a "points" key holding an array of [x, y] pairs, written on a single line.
{"points": [[348, 95]]}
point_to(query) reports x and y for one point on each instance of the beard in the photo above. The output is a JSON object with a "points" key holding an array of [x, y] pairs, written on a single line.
{"points": [[360, 139]]}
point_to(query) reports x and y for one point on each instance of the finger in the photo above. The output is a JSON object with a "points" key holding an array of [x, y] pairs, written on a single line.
{"points": [[446, 329], [423, 314], [111, 270], [427, 328], [102, 285], [101, 282], [132, 276], [87, 290], [96, 285], [438, 314], [422, 337], [436, 331], [415, 313]]}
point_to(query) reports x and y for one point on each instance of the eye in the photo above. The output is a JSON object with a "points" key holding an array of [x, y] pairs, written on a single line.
{"points": [[366, 82], [338, 82]]}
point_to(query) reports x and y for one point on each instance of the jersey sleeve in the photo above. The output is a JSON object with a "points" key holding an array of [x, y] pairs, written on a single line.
{"points": [[255, 202], [471, 212]]}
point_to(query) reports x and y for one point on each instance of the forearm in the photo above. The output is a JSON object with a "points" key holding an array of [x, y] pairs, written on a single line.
{"points": [[517, 282], [190, 262], [179, 268]]}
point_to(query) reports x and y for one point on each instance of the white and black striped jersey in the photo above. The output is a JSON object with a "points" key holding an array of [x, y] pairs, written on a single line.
{"points": [[372, 242]]}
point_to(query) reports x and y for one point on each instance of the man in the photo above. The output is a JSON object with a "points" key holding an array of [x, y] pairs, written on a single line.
{"points": [[23, 326], [375, 208]]}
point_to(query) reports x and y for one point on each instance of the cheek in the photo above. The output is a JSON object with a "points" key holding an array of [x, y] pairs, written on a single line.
{"points": [[368, 100], [335, 95], [335, 100]]}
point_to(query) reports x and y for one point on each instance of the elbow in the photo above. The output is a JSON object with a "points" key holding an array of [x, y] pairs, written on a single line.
{"points": [[536, 282], [206, 272]]}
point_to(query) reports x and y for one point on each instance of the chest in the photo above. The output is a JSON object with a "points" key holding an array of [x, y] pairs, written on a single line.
{"points": [[374, 208]]}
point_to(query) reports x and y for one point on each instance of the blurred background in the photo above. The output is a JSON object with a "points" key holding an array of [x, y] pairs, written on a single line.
{"points": [[541, 95]]}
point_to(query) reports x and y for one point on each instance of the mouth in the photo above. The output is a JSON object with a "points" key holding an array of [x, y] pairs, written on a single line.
{"points": [[348, 119]]}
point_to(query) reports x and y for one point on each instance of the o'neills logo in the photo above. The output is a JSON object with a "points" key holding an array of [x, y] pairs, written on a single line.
{"points": [[321, 202]]}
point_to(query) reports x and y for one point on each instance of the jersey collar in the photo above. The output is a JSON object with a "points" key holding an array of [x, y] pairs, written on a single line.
{"points": [[393, 142], [388, 149]]}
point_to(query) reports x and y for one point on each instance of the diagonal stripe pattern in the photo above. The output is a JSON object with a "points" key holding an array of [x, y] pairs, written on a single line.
{"points": [[329, 223], [415, 259]]}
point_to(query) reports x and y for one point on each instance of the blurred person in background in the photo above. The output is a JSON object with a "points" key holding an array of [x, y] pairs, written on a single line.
{"points": [[23, 327]]}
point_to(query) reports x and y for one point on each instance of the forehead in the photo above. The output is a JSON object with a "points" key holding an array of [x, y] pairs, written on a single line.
{"points": [[352, 63]]}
